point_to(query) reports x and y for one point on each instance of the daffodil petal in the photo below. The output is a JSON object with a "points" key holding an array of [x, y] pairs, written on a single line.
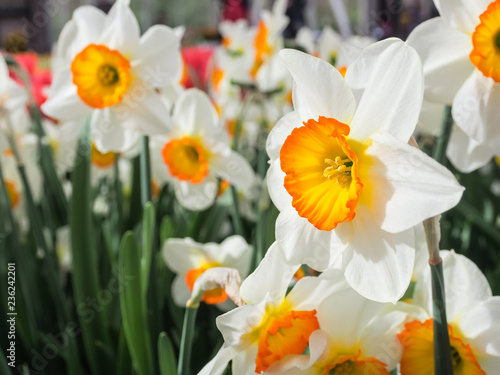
{"points": [[198, 196], [445, 56], [194, 114], [466, 154], [319, 89], [387, 75], [108, 132], [234, 168], [219, 363], [462, 14], [280, 132], [121, 29], [475, 108], [181, 255], [378, 264], [275, 184], [157, 60]]}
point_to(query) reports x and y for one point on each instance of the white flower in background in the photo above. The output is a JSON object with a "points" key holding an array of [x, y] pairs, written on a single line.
{"points": [[356, 336], [273, 324], [342, 174], [63, 248], [461, 56], [473, 325], [173, 90], [196, 153], [107, 72], [329, 44], [190, 259], [63, 139]]}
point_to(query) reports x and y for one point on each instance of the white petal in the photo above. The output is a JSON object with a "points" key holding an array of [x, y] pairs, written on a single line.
{"points": [[143, 110], [63, 102], [235, 252], [319, 89], [157, 59], [466, 154], [462, 14], [378, 264], [272, 74], [194, 113], [121, 29], [182, 255], [233, 168], [280, 133], [309, 292], [387, 82], [275, 183], [180, 290], [302, 243], [244, 362], [475, 108], [219, 363], [272, 277], [445, 56], [479, 323], [198, 196], [351, 48], [404, 185], [108, 132]]}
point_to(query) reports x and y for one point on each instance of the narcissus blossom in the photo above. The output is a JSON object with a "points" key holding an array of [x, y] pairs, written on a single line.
{"points": [[342, 174], [107, 72], [461, 57], [473, 326], [196, 153], [273, 324], [190, 259]]}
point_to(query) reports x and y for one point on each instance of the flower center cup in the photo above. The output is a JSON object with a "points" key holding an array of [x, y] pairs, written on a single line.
{"points": [[100, 159], [486, 41], [186, 159], [101, 75], [321, 170], [13, 193]]}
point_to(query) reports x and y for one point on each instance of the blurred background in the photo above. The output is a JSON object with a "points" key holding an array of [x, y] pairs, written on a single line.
{"points": [[35, 24]]}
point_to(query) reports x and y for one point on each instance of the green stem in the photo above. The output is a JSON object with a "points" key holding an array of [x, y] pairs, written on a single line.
{"points": [[235, 213], [442, 350], [146, 192], [442, 141], [187, 341]]}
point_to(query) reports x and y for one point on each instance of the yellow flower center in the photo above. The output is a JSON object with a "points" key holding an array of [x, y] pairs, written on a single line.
{"points": [[282, 331], [486, 41], [101, 75], [213, 296], [14, 195], [102, 160], [186, 159], [321, 170], [351, 365], [418, 351]]}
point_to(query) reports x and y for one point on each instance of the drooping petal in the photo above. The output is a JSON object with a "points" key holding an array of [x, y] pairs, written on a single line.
{"points": [[219, 363], [319, 89], [180, 290], [181, 255], [302, 243], [157, 60], [275, 184], [108, 132], [387, 82], [463, 15], [198, 196], [378, 264], [63, 102], [403, 186], [235, 252], [445, 56], [234, 168], [475, 107], [121, 29], [466, 154], [272, 277]]}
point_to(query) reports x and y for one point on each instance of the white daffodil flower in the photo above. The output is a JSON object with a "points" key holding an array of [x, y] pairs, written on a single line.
{"points": [[107, 72], [190, 259], [473, 325], [461, 58], [343, 175], [196, 153], [273, 324]]}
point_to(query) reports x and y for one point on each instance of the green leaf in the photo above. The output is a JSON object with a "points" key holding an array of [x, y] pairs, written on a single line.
{"points": [[133, 310], [4, 367], [148, 232], [166, 355], [166, 229]]}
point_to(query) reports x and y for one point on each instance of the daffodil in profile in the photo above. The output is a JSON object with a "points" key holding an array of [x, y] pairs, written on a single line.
{"points": [[349, 187], [106, 71], [195, 155], [461, 59]]}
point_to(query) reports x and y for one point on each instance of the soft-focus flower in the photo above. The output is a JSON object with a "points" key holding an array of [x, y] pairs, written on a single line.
{"points": [[107, 72], [472, 314], [461, 56], [273, 324], [342, 174], [196, 153], [189, 259]]}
